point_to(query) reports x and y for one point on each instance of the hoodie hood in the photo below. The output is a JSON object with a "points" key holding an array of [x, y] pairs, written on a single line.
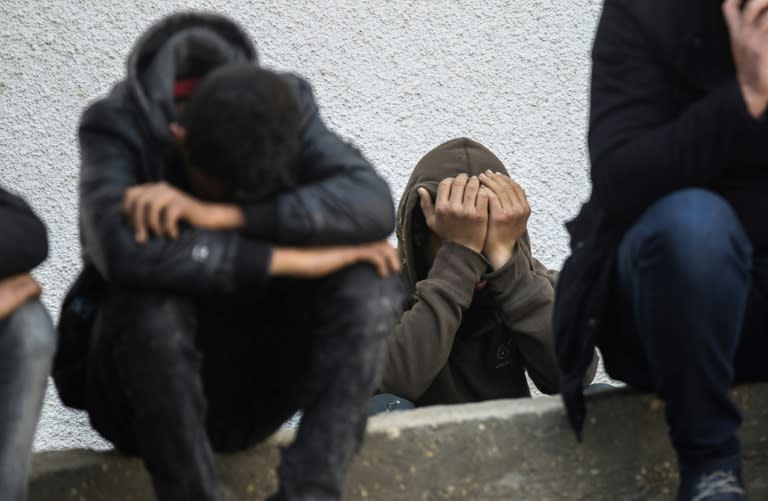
{"points": [[187, 44], [450, 159]]}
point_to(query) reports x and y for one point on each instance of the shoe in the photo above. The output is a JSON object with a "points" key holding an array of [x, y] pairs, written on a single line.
{"points": [[718, 485]]}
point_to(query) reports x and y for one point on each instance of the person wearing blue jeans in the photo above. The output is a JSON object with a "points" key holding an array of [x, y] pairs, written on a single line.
{"points": [[667, 273], [692, 321], [27, 342]]}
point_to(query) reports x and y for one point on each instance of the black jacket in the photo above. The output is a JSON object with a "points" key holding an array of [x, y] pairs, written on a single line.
{"points": [[23, 239], [666, 113], [124, 140]]}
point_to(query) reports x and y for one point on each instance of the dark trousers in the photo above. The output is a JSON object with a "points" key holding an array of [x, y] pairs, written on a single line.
{"points": [[692, 310], [172, 379]]}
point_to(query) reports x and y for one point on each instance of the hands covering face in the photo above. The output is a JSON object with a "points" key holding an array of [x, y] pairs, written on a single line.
{"points": [[487, 213], [460, 211], [509, 212]]}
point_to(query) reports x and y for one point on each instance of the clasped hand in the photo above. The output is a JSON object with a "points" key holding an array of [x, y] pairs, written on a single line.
{"points": [[486, 213], [156, 209]]}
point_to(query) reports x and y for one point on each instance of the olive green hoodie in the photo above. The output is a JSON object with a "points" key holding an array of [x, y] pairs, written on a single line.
{"points": [[457, 342]]}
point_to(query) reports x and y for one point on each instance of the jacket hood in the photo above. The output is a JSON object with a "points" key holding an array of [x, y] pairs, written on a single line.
{"points": [[186, 44], [450, 159]]}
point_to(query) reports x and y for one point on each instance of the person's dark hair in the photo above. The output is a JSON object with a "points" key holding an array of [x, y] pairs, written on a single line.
{"points": [[243, 129]]}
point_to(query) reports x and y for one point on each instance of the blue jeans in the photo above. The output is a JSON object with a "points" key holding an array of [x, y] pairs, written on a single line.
{"points": [[383, 403], [692, 319], [27, 345]]}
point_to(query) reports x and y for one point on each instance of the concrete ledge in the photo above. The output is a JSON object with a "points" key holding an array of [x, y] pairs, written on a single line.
{"points": [[500, 450]]}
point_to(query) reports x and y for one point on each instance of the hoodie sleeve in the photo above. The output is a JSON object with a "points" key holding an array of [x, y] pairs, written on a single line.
{"points": [[340, 199], [422, 342], [24, 241], [523, 290], [197, 261]]}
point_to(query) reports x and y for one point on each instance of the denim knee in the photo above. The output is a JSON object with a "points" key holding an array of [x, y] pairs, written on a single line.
{"points": [[30, 332], [692, 231]]}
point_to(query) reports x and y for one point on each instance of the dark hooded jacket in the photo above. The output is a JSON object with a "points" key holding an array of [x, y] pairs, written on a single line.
{"points": [[454, 343], [666, 114], [125, 140], [23, 238]]}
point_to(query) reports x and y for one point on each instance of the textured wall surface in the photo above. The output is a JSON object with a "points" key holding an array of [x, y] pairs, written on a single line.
{"points": [[396, 78]]}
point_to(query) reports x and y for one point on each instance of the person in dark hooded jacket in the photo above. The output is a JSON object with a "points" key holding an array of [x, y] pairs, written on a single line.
{"points": [[480, 305], [669, 267], [227, 239]]}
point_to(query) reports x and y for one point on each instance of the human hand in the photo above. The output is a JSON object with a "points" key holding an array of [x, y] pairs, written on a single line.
{"points": [[15, 291], [318, 262], [748, 28], [509, 212], [460, 211], [157, 208]]}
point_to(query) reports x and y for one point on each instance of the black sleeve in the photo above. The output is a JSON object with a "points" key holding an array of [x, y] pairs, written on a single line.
{"points": [[198, 261], [23, 239], [339, 199], [642, 146]]}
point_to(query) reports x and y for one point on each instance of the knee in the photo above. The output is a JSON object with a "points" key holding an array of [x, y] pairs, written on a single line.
{"points": [[31, 332], [695, 231], [697, 219], [361, 285], [367, 298]]}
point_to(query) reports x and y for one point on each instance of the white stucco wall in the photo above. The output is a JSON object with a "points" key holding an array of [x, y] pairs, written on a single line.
{"points": [[395, 77]]}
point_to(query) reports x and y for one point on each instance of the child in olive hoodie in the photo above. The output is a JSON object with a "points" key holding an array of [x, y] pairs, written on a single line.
{"points": [[480, 305]]}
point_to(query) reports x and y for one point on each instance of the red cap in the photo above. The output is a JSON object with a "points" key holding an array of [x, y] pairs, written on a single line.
{"points": [[183, 88]]}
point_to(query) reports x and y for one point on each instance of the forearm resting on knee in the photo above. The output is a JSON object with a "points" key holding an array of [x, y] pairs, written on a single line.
{"points": [[15, 291]]}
